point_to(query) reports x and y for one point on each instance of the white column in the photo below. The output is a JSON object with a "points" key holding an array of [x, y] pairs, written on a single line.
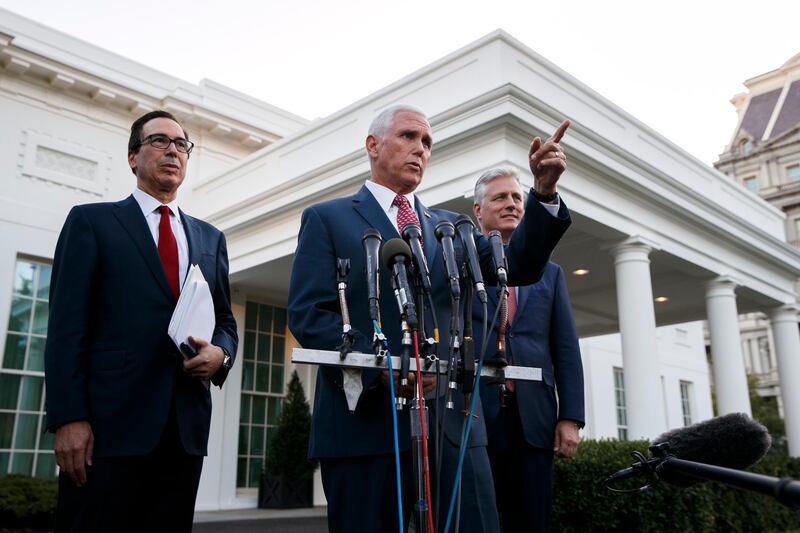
{"points": [[637, 326], [787, 348], [730, 378]]}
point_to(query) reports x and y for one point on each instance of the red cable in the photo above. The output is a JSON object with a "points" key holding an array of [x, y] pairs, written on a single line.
{"points": [[424, 435]]}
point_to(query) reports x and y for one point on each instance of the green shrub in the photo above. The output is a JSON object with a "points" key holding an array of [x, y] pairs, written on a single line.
{"points": [[287, 453], [27, 502], [582, 503]]}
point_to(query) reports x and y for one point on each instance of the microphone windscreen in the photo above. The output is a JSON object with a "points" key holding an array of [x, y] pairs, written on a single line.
{"points": [[732, 441], [371, 233], [392, 248]]}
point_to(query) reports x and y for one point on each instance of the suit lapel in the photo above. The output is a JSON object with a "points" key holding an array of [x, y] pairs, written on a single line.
{"points": [[193, 238], [522, 297], [370, 210], [427, 223], [130, 216]]}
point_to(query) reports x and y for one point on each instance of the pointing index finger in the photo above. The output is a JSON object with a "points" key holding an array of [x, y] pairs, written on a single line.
{"points": [[559, 133]]}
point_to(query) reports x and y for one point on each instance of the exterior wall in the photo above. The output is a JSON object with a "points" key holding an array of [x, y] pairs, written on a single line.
{"points": [[681, 357]]}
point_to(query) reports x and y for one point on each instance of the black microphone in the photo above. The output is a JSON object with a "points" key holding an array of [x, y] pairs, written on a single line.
{"points": [[499, 257], [372, 242], [412, 234], [445, 231], [396, 256], [731, 441], [466, 230]]}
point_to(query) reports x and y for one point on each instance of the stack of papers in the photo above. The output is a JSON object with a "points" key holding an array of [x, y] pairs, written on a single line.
{"points": [[194, 313]]}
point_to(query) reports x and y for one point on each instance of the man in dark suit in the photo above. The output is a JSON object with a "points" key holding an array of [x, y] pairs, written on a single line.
{"points": [[130, 414], [353, 440], [527, 422]]}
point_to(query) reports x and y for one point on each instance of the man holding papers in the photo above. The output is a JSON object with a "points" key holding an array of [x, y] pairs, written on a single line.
{"points": [[130, 413]]}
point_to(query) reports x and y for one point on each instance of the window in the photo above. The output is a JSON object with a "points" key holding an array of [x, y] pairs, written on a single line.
{"points": [[793, 173], [24, 446], [764, 355], [686, 402], [746, 147], [751, 183], [622, 411], [262, 387]]}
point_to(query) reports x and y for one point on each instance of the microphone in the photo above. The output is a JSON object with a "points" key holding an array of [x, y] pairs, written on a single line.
{"points": [[412, 234], [465, 229], [499, 257], [396, 255], [372, 242], [731, 441], [445, 231]]}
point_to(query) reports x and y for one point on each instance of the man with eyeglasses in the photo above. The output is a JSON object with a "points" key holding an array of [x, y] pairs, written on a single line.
{"points": [[130, 413]]}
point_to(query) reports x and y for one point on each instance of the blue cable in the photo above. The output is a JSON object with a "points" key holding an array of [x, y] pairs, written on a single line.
{"points": [[394, 427]]}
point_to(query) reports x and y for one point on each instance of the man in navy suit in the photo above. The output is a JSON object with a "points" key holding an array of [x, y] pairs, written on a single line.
{"points": [[130, 414], [527, 422], [353, 440]]}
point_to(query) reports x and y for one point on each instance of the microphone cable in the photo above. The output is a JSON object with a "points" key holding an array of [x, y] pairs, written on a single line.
{"points": [[425, 459], [394, 426]]}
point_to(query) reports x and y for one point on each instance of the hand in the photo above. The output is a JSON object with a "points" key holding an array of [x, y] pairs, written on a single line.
{"points": [[207, 361], [428, 381], [74, 445], [548, 160], [566, 439]]}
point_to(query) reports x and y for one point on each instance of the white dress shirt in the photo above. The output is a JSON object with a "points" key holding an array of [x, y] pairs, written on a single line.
{"points": [[150, 210]]}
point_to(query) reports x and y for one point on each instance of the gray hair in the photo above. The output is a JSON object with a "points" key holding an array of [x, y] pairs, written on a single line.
{"points": [[490, 175], [383, 121]]}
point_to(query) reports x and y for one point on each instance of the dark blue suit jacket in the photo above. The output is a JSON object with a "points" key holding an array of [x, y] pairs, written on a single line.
{"points": [[108, 358], [542, 335], [332, 230]]}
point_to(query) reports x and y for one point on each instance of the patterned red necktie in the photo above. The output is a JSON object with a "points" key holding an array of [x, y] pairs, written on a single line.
{"points": [[168, 250], [511, 303], [405, 215]]}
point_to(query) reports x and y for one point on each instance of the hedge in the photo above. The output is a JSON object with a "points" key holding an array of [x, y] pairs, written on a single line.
{"points": [[27, 502]]}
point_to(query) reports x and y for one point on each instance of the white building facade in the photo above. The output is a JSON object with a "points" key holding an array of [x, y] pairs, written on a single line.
{"points": [[649, 222]]}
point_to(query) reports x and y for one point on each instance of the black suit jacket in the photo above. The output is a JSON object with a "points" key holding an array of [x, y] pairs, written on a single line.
{"points": [[333, 229], [108, 358]]}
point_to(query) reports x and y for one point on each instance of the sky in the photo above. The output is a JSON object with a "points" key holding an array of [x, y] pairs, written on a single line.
{"points": [[673, 65]]}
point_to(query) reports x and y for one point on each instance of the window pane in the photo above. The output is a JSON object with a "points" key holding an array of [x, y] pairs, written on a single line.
{"points": [[244, 438], [23, 278], [21, 463], [46, 465], [14, 356], [250, 315], [244, 411], [278, 350], [40, 318], [263, 348], [279, 326], [31, 398], [257, 441], [277, 379], [9, 390], [247, 376], [26, 432], [6, 429], [20, 319], [262, 378], [255, 472], [46, 439], [264, 318], [241, 472], [5, 458], [44, 282], [36, 354], [249, 345], [259, 409], [274, 411]]}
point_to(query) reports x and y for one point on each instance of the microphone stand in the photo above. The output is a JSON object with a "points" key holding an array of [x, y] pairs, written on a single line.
{"points": [[342, 270]]}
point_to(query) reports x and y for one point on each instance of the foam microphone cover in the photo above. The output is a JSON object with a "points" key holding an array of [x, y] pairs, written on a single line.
{"points": [[732, 441], [392, 248]]}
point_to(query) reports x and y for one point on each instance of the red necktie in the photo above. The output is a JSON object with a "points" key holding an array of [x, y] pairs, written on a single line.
{"points": [[168, 250], [511, 302], [405, 215]]}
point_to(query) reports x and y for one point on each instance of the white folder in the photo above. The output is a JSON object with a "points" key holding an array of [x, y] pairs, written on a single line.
{"points": [[194, 313]]}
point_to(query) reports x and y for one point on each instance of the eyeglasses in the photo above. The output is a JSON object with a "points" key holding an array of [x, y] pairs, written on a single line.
{"points": [[162, 142]]}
